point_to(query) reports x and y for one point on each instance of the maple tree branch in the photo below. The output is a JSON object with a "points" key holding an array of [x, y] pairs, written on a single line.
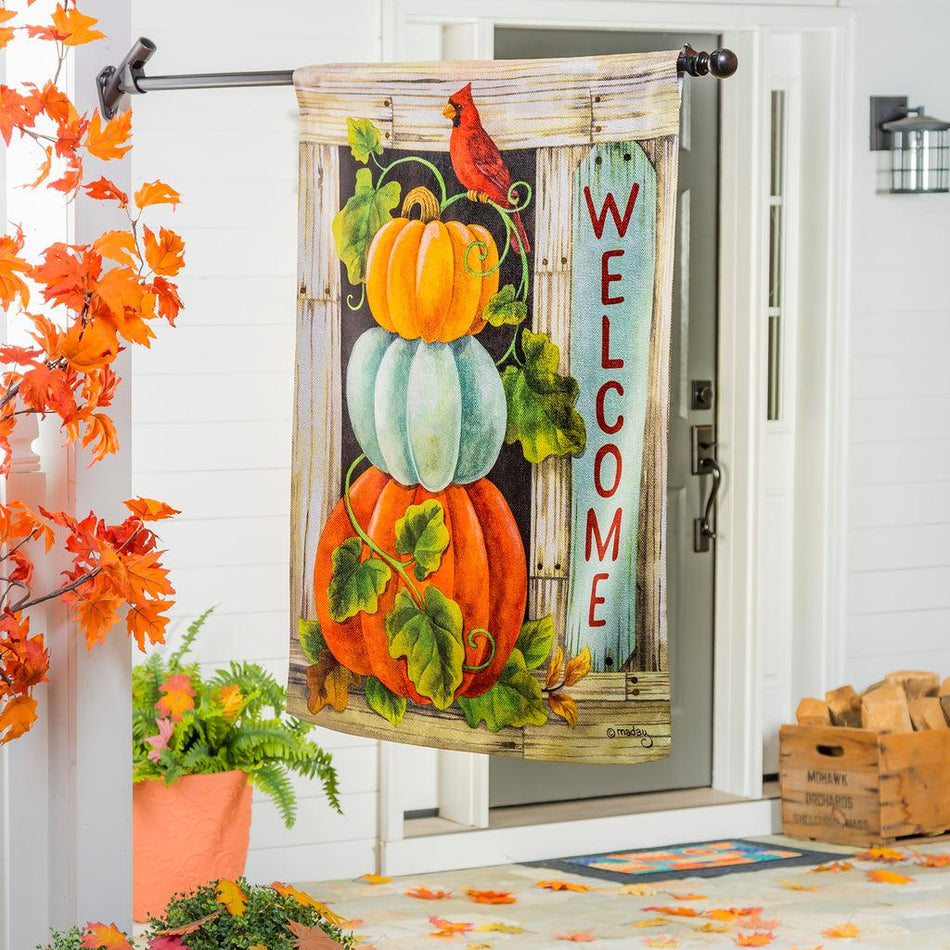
{"points": [[42, 598], [20, 544], [11, 393]]}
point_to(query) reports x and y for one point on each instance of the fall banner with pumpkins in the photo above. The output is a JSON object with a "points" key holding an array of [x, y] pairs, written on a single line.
{"points": [[481, 404]]}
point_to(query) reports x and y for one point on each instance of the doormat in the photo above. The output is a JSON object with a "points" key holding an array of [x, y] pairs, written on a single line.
{"points": [[703, 859], [478, 509]]}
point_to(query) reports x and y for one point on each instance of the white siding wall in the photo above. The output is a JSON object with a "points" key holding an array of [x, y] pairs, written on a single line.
{"points": [[212, 403], [899, 521]]}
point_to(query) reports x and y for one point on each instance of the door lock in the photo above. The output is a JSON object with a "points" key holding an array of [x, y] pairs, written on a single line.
{"points": [[704, 462]]}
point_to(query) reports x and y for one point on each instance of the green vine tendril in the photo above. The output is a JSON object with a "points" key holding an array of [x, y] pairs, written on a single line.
{"points": [[397, 566], [413, 158], [471, 642], [359, 303]]}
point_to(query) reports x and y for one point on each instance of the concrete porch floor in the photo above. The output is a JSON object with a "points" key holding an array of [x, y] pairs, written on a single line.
{"points": [[783, 907]]}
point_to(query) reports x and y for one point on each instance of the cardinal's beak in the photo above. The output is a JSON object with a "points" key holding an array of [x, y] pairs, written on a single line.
{"points": [[450, 111]]}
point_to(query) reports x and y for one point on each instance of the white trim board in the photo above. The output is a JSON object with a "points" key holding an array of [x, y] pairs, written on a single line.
{"points": [[492, 846]]}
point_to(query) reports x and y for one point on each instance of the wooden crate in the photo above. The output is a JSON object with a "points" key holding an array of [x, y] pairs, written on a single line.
{"points": [[854, 786]]}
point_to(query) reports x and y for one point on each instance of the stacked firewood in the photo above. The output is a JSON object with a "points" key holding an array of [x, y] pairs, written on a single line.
{"points": [[904, 701]]}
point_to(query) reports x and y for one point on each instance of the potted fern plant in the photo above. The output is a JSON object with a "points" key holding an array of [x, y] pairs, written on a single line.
{"points": [[199, 745]]}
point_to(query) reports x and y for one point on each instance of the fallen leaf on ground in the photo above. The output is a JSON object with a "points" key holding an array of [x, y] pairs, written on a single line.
{"points": [[232, 897], [663, 940], [887, 855], [501, 927], [475, 946], [687, 897], [933, 860], [562, 886], [491, 897], [374, 879], [582, 936], [675, 911], [888, 877], [424, 894], [448, 927], [711, 928], [638, 890], [758, 939], [652, 922], [799, 886], [843, 931], [834, 867]]}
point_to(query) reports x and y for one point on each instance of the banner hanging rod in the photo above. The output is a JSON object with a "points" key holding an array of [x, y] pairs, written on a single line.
{"points": [[128, 78]]}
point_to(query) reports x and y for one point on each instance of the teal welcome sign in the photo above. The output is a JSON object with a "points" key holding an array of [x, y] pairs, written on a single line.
{"points": [[612, 277]]}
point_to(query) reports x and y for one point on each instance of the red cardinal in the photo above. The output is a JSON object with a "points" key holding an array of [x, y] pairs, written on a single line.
{"points": [[477, 162]]}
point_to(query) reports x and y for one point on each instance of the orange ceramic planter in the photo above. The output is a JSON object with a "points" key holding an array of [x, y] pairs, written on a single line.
{"points": [[187, 834]]}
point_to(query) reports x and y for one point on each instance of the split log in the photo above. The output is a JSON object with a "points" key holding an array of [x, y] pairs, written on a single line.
{"points": [[844, 704], [885, 710], [813, 712], [916, 683], [926, 714]]}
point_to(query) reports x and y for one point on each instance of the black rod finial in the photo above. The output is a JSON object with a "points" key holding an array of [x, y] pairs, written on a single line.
{"points": [[722, 63]]}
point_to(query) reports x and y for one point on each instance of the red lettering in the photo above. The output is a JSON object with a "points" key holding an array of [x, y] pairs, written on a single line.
{"points": [[598, 220], [606, 360], [593, 536], [602, 453], [601, 418], [593, 621], [606, 278]]}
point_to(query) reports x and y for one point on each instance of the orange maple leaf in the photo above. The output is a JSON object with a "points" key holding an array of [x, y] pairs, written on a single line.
{"points": [[880, 876], [833, 867], [448, 927], [687, 897], [843, 931], [186, 929], [758, 939], [156, 193], [886, 855], [662, 940], [146, 621], [798, 886], [311, 938], [651, 922], [165, 254], [491, 897], [90, 346], [112, 139], [232, 700], [581, 936], [17, 717], [677, 911], [424, 894], [374, 879], [305, 900], [74, 28], [99, 936], [118, 246], [933, 860], [562, 886], [710, 928], [12, 286], [229, 894], [7, 32], [97, 613], [100, 429], [102, 189], [177, 699], [168, 301], [148, 509]]}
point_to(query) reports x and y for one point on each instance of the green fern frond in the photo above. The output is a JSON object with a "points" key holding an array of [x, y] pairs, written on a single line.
{"points": [[274, 782], [187, 641]]}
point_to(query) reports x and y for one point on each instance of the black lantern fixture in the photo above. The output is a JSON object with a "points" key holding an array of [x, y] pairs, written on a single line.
{"points": [[919, 145]]}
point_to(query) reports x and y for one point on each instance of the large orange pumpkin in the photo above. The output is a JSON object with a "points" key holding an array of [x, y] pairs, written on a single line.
{"points": [[417, 282], [483, 570]]}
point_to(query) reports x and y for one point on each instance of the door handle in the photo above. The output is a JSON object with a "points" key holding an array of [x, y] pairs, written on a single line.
{"points": [[703, 533]]}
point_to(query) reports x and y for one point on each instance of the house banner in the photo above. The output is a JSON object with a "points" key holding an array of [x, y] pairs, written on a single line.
{"points": [[481, 404]]}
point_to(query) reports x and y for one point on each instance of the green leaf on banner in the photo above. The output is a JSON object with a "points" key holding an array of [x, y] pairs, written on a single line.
{"points": [[421, 532], [535, 641], [431, 641], [363, 138], [514, 700], [383, 701], [311, 639], [503, 308], [356, 223], [355, 584], [541, 413]]}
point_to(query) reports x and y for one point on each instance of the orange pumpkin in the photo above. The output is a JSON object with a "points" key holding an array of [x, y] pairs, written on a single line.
{"points": [[417, 282], [483, 570]]}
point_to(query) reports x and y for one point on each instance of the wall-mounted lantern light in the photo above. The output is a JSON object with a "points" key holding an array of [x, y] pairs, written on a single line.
{"points": [[919, 145]]}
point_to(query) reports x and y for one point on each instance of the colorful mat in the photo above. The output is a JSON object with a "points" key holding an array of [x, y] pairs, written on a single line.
{"points": [[703, 859]]}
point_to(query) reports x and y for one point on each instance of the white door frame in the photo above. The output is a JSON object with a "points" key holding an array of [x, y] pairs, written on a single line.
{"points": [[444, 29]]}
